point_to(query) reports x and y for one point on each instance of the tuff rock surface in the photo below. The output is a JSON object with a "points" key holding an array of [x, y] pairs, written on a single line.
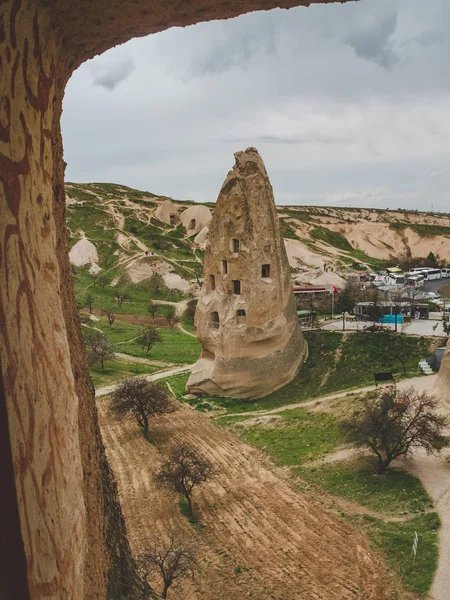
{"points": [[252, 344]]}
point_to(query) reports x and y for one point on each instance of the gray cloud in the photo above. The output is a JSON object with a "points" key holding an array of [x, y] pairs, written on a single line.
{"points": [[304, 86], [109, 74], [372, 39], [297, 139]]}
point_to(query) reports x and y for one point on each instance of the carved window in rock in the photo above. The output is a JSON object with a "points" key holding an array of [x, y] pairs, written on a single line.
{"points": [[265, 271], [235, 245], [214, 320], [192, 224], [172, 219], [240, 316], [212, 282], [224, 267], [236, 286]]}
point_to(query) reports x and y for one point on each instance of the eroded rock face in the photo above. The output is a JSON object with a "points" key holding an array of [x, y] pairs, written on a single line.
{"points": [[246, 319], [167, 213]]}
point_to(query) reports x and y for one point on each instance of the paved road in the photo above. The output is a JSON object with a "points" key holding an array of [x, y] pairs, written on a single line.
{"points": [[433, 286]]}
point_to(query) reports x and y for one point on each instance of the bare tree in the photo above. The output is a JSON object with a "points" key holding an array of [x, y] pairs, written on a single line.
{"points": [[148, 337], [122, 297], [395, 422], [396, 300], [153, 309], [190, 310], [171, 315], [173, 560], [141, 399], [183, 471], [98, 348], [110, 315], [90, 302]]}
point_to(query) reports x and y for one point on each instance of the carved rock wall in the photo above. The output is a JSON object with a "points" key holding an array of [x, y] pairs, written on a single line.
{"points": [[246, 317]]}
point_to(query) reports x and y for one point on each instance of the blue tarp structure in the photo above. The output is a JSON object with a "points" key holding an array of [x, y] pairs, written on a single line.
{"points": [[390, 319]]}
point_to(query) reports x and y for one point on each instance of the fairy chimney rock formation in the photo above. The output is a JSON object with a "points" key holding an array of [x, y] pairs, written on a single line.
{"points": [[167, 212], [246, 317]]}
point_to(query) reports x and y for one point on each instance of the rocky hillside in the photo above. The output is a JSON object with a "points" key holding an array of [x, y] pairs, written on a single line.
{"points": [[124, 236]]}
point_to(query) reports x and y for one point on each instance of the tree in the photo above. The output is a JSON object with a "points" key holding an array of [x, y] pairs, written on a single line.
{"points": [[171, 315], [90, 302], [148, 337], [153, 309], [98, 348], [398, 350], [190, 310], [395, 422], [183, 471], [374, 310], [432, 260], [122, 296], [396, 299], [198, 272], [110, 315], [102, 281], [141, 399], [156, 285], [347, 299], [173, 560]]}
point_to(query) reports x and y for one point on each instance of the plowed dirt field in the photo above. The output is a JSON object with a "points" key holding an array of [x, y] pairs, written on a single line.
{"points": [[259, 537]]}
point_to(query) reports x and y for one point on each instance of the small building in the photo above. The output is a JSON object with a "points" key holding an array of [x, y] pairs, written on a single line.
{"points": [[413, 310], [307, 318]]}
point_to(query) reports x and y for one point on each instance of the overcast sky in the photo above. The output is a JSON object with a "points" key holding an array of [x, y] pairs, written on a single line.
{"points": [[348, 105]]}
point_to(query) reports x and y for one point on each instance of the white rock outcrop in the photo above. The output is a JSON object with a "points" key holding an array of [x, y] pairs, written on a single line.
{"points": [[246, 317], [195, 218], [84, 253], [167, 212]]}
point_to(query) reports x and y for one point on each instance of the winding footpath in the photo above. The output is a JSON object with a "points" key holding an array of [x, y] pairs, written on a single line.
{"points": [[103, 391]]}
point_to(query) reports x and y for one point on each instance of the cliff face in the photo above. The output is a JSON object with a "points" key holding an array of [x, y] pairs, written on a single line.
{"points": [[246, 319]]}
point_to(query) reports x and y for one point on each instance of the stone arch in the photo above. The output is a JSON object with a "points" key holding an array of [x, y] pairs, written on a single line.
{"points": [[55, 442]]}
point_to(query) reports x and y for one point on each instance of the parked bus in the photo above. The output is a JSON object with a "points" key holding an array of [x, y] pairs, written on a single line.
{"points": [[431, 274], [415, 280], [396, 279]]}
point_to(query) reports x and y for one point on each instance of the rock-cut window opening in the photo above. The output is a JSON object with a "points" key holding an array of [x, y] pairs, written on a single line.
{"points": [[172, 219], [236, 246], [265, 271], [212, 282], [224, 267], [192, 224], [236, 286], [215, 320], [240, 315]]}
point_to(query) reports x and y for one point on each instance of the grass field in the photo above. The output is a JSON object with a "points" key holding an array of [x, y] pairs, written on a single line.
{"points": [[115, 370], [397, 503], [326, 370], [176, 346]]}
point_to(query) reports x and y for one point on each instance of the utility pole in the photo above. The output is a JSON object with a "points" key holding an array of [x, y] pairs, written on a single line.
{"points": [[332, 304]]}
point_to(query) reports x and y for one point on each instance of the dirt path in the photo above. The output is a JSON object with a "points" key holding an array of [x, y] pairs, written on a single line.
{"points": [[161, 375], [419, 383], [259, 539], [144, 361], [434, 472]]}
